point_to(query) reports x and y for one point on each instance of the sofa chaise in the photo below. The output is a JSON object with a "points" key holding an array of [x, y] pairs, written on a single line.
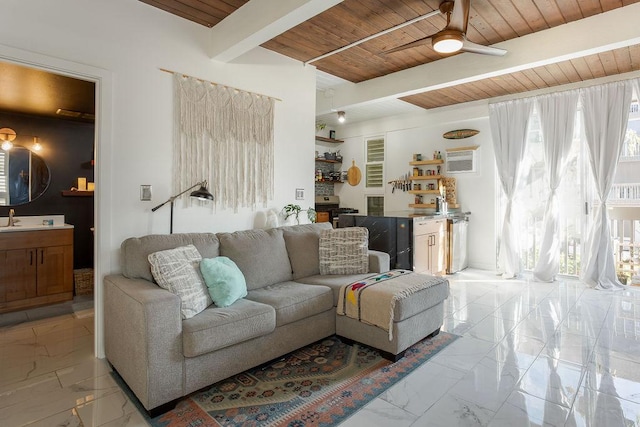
{"points": [[163, 355], [289, 304]]}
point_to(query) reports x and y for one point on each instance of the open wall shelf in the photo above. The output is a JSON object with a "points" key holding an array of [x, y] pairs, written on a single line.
{"points": [[324, 139], [427, 162]]}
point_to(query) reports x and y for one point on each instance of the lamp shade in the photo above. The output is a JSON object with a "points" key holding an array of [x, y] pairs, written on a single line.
{"points": [[202, 193]]}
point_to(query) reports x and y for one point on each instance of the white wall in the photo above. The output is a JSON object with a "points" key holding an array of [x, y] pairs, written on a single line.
{"points": [[126, 42], [133, 40], [422, 133]]}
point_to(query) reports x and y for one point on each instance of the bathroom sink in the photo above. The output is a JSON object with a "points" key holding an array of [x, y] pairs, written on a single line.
{"points": [[29, 227], [33, 223]]}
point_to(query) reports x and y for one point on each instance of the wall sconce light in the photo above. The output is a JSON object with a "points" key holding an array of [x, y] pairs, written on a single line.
{"points": [[6, 136], [201, 194], [36, 145], [341, 116]]}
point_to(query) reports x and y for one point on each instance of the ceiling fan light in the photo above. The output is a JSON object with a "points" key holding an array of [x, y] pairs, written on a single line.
{"points": [[7, 145], [447, 41]]}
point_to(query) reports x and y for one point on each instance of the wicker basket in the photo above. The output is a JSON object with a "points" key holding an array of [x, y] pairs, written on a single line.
{"points": [[83, 278]]}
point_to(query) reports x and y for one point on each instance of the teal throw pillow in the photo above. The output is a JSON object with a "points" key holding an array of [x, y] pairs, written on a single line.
{"points": [[224, 279]]}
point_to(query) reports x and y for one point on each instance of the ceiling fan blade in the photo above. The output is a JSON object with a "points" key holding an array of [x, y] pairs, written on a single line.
{"points": [[472, 47], [419, 42], [459, 16]]}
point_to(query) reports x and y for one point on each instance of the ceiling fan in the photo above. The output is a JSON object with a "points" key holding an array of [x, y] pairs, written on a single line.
{"points": [[453, 37]]}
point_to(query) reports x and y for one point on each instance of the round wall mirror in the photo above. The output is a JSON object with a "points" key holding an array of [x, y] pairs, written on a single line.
{"points": [[24, 176]]}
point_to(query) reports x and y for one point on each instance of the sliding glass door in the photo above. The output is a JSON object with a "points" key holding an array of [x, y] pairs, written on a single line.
{"points": [[577, 199], [531, 200]]}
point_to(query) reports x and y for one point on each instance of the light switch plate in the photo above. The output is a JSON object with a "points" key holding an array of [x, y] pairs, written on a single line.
{"points": [[299, 193], [145, 193]]}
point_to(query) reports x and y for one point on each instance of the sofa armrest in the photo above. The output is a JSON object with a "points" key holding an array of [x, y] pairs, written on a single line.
{"points": [[378, 261], [143, 338]]}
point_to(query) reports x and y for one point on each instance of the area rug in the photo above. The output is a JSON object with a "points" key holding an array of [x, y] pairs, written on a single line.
{"points": [[319, 385]]}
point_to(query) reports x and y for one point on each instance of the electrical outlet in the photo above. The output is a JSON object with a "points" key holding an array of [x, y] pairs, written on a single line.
{"points": [[145, 193]]}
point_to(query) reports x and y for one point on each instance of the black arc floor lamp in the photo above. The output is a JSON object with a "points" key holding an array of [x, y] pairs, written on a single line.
{"points": [[201, 194]]}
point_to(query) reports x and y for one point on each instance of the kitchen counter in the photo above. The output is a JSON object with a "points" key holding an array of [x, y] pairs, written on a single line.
{"points": [[390, 234], [453, 214], [393, 233]]}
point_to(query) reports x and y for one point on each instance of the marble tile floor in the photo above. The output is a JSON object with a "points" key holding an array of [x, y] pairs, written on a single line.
{"points": [[79, 303], [530, 354]]}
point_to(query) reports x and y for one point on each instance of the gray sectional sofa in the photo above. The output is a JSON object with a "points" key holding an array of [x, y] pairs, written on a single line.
{"points": [[289, 304]]}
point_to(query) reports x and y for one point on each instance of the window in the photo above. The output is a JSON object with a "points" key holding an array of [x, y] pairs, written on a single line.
{"points": [[374, 168], [624, 204], [375, 205], [631, 146]]}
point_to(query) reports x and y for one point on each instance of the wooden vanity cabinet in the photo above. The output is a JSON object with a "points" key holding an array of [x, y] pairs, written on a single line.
{"points": [[36, 268]]}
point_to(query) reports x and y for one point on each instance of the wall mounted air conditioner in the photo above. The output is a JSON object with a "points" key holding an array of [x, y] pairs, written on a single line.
{"points": [[461, 160]]}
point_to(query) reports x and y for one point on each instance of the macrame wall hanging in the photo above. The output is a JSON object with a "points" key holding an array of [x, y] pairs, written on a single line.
{"points": [[223, 135]]}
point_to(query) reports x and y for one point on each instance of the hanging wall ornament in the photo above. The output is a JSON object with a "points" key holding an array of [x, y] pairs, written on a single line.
{"points": [[224, 135]]}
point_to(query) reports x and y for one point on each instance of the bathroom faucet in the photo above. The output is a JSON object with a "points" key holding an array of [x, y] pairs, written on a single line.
{"points": [[11, 220]]}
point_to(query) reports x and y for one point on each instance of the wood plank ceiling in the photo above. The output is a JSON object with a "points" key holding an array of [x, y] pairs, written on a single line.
{"points": [[207, 12], [490, 22], [610, 63]]}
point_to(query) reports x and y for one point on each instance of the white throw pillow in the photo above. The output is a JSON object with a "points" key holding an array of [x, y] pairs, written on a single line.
{"points": [[178, 271], [344, 251]]}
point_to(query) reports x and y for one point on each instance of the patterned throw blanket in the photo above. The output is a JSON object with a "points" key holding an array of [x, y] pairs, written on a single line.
{"points": [[373, 299]]}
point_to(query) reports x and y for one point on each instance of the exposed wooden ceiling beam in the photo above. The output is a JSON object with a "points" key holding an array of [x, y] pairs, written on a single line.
{"points": [[258, 21], [573, 40]]}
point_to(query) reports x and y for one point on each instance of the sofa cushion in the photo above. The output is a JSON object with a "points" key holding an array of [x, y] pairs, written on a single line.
{"points": [[405, 308], [434, 294], [294, 301], [224, 280], [135, 251], [344, 251], [333, 281], [303, 246], [219, 327], [261, 255], [177, 270]]}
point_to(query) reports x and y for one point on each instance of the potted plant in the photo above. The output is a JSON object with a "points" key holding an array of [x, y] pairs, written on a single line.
{"points": [[294, 210]]}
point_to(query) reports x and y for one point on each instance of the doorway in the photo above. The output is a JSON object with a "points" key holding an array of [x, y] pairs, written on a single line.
{"points": [[52, 118], [103, 80]]}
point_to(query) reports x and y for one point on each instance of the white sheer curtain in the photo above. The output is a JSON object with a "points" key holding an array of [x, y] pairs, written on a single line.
{"points": [[606, 114], [557, 118], [509, 122]]}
